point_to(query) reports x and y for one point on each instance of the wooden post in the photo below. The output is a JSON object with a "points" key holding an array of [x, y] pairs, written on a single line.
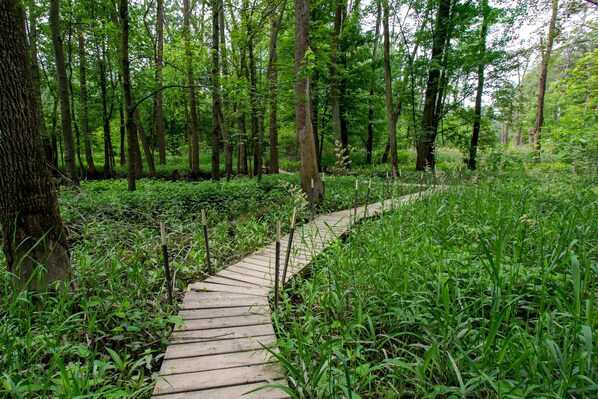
{"points": [[288, 254], [367, 198], [387, 188], [204, 223], [400, 185], [356, 194], [166, 265], [277, 266], [313, 204]]}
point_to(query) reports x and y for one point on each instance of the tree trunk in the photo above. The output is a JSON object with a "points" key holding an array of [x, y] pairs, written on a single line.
{"points": [[91, 168], [224, 106], [424, 143], [542, 83], [130, 123], [307, 147], [33, 238], [392, 121], [256, 137], [33, 54], [65, 110], [272, 74], [370, 140], [191, 82], [146, 148], [159, 82], [473, 148], [216, 111], [335, 90]]}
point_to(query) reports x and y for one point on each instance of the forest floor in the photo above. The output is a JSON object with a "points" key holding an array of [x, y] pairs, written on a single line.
{"points": [[489, 289]]}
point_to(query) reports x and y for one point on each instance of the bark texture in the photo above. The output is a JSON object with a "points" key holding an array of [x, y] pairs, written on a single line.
{"points": [[424, 144], [305, 134], [542, 83], [33, 237], [473, 148], [63, 94], [191, 81], [159, 96]]}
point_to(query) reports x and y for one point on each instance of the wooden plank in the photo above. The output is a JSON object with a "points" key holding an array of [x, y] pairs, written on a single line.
{"points": [[218, 334], [238, 391], [225, 280], [227, 345], [208, 287], [224, 322], [235, 274], [199, 301], [247, 270], [223, 312], [215, 362], [216, 378]]}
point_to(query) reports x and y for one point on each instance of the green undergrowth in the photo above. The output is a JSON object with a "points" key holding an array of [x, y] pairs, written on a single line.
{"points": [[487, 290], [106, 339]]}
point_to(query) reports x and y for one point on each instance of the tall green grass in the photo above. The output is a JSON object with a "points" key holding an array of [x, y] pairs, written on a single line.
{"points": [[486, 290], [107, 338]]}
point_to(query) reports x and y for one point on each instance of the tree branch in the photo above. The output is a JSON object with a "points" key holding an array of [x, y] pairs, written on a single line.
{"points": [[138, 103]]}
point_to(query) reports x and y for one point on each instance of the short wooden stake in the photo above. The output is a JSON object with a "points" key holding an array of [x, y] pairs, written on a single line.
{"points": [[387, 188], [313, 201], [356, 197], [204, 223], [288, 254], [367, 198], [166, 265], [277, 266]]}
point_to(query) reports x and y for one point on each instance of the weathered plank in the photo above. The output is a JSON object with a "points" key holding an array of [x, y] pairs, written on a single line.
{"points": [[214, 347], [223, 322], [215, 362], [217, 334], [216, 378], [238, 391]]}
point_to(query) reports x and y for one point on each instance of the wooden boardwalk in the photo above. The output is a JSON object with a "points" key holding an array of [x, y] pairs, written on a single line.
{"points": [[218, 352]]}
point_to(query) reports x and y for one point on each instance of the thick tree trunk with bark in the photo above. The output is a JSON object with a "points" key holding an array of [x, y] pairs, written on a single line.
{"points": [[473, 148], [222, 119], [424, 143], [307, 146], [65, 109], [191, 82], [542, 83], [159, 82], [33, 238]]}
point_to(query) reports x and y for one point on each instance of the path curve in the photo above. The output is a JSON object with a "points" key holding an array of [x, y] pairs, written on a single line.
{"points": [[218, 352]]}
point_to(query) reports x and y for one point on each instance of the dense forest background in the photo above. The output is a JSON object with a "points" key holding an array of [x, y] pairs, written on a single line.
{"points": [[212, 77]]}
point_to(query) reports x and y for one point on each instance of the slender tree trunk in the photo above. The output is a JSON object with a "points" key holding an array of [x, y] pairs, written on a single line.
{"points": [[473, 148], [424, 144], [65, 110], [145, 144], [224, 105], [370, 140], [122, 133], [542, 83], [335, 90], [33, 54], [159, 82], [392, 122], [272, 74], [307, 147], [91, 168], [130, 123], [33, 238], [191, 81], [253, 101], [216, 128]]}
